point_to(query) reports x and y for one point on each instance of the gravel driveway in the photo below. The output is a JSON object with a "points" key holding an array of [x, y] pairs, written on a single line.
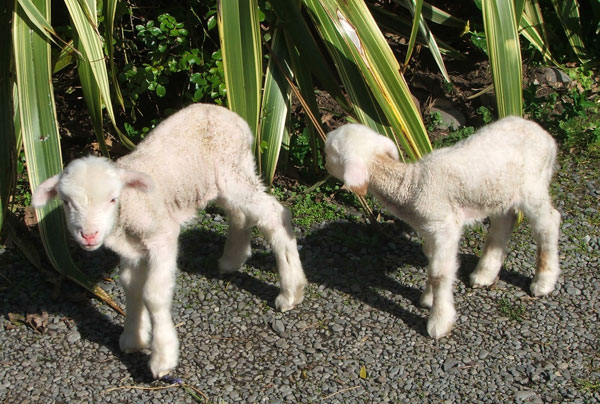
{"points": [[359, 336]]}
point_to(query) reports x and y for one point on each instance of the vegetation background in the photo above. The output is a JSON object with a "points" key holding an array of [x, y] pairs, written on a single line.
{"points": [[93, 76]]}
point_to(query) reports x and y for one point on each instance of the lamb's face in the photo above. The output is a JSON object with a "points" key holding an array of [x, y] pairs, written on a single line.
{"points": [[90, 189], [349, 151]]}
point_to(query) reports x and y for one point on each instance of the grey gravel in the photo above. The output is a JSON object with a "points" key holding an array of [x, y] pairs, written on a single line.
{"points": [[360, 314]]}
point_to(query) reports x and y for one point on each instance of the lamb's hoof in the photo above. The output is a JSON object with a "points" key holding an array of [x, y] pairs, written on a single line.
{"points": [[130, 343], [440, 325], [161, 364], [284, 303], [541, 287], [479, 280], [426, 300]]}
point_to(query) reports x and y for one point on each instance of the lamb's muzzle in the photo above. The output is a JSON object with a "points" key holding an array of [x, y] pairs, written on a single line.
{"points": [[503, 168]]}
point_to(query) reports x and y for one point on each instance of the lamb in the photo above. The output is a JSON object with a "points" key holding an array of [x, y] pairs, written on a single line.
{"points": [[504, 168], [136, 206]]}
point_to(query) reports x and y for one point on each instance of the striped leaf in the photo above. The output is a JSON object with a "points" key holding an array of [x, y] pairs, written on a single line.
{"points": [[401, 25], [274, 106], [31, 52], [504, 52], [415, 9], [301, 41], [239, 32], [436, 15], [364, 105], [366, 47], [420, 25], [110, 9], [534, 30], [83, 18], [568, 14], [91, 91]]}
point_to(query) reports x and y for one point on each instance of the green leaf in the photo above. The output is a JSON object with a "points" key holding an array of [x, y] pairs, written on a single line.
{"points": [[93, 99], [358, 40], [301, 41], [504, 52], [363, 372], [110, 9], [415, 10], [38, 19], [31, 52], [91, 51], [436, 15], [274, 106], [568, 14], [534, 30], [161, 91], [239, 32]]}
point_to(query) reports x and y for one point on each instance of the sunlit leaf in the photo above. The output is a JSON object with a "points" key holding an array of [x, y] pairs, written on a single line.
{"points": [[239, 31], [41, 139], [504, 52]]}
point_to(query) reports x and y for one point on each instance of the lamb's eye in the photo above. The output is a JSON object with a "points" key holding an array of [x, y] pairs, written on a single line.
{"points": [[113, 200]]}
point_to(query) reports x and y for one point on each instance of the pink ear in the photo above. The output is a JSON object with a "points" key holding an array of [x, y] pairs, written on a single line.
{"points": [[137, 180], [45, 192], [356, 175]]}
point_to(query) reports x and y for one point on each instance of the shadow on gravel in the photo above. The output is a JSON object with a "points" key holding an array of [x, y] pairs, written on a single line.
{"points": [[200, 249], [354, 258], [357, 259], [69, 309]]}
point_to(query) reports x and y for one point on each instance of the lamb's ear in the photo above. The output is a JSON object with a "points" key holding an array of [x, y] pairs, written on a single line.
{"points": [[135, 179], [389, 148], [356, 176], [45, 192]]}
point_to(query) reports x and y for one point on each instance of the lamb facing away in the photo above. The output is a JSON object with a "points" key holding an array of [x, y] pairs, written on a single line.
{"points": [[136, 207], [503, 168]]}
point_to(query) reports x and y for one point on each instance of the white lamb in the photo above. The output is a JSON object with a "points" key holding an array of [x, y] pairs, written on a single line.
{"points": [[136, 207], [503, 168]]}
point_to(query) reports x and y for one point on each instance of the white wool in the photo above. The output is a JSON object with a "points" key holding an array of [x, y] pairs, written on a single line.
{"points": [[503, 168], [136, 206]]}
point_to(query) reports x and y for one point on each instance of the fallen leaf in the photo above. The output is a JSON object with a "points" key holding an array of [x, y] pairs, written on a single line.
{"points": [[39, 322], [363, 372], [16, 320]]}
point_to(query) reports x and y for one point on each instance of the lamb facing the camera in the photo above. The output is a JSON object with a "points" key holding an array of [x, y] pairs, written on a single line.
{"points": [[136, 206], [503, 168]]}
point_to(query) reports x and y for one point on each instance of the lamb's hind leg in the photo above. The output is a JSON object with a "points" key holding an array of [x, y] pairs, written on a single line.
{"points": [[494, 251], [274, 222], [546, 226], [237, 247]]}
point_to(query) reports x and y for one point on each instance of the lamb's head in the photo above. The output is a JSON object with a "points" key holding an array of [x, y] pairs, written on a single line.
{"points": [[90, 188], [349, 150]]}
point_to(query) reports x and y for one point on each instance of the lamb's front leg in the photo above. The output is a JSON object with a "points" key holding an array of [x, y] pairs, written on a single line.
{"points": [[274, 221], [158, 295], [441, 272], [137, 327]]}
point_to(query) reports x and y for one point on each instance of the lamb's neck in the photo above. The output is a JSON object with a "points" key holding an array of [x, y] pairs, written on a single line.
{"points": [[391, 182]]}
